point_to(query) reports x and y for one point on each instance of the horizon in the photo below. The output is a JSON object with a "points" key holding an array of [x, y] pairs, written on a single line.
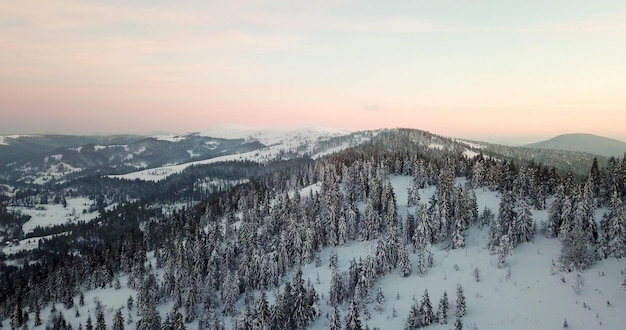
{"points": [[228, 131], [488, 71]]}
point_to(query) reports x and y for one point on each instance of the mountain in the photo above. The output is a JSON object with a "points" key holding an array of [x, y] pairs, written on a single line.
{"points": [[581, 142], [314, 230]]}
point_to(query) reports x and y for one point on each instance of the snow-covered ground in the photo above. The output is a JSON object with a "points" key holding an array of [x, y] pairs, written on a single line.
{"points": [[532, 293], [277, 143], [27, 244], [5, 139], [48, 215]]}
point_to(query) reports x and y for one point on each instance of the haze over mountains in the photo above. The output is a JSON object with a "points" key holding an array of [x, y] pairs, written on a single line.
{"points": [[583, 142]]}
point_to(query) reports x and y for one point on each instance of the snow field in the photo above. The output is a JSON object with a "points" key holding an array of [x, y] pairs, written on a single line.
{"points": [[49, 215]]}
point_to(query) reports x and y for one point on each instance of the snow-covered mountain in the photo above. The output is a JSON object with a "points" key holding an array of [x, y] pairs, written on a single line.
{"points": [[48, 159], [316, 230], [580, 142]]}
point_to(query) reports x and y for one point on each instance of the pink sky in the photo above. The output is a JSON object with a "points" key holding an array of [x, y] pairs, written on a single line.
{"points": [[484, 71]]}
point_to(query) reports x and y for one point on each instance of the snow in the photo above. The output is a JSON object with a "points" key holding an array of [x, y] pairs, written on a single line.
{"points": [[535, 295], [49, 215], [469, 153], [4, 139], [192, 154], [262, 155], [470, 144], [28, 244], [311, 189], [530, 294], [333, 150], [435, 146], [268, 136], [170, 138]]}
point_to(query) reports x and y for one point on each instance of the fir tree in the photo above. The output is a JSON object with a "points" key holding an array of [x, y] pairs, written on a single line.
{"points": [[403, 261], [118, 320], [335, 319], [504, 250], [524, 223], [100, 323], [426, 310], [37, 314], [615, 231], [458, 238], [458, 325], [89, 324], [353, 321], [380, 300], [460, 301], [414, 320], [263, 312], [442, 310]]}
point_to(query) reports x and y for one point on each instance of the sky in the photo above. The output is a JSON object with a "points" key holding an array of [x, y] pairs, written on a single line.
{"points": [[491, 70]]}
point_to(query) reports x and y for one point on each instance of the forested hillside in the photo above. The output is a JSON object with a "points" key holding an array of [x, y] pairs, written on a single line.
{"points": [[322, 244]]}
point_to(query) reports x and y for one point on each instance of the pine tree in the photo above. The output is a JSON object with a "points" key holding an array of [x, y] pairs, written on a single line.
{"points": [[380, 300], [460, 301], [352, 319], [414, 320], [504, 250], [421, 263], [230, 293], [335, 319], [426, 310], [118, 320], [336, 293], [615, 230], [37, 314], [524, 223], [458, 238], [89, 324], [263, 313], [442, 310], [458, 325], [100, 323], [403, 261]]}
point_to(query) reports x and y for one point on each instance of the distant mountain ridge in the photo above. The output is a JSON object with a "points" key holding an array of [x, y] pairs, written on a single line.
{"points": [[583, 142]]}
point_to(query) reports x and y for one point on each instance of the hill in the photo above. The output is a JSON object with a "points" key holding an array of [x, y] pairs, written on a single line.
{"points": [[581, 142]]}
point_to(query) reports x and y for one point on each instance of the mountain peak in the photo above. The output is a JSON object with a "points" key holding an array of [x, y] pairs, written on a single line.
{"points": [[583, 142]]}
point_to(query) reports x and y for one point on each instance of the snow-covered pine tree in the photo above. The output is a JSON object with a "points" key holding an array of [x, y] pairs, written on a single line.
{"points": [[426, 310], [334, 319], [505, 248], [423, 233], [458, 324], [353, 321], [421, 263], [567, 218], [442, 309], [118, 320], [414, 320], [460, 301], [458, 238], [615, 231], [263, 313], [100, 323], [524, 223], [230, 293], [404, 264]]}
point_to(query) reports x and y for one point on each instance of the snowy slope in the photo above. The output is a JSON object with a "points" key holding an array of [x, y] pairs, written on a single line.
{"points": [[55, 214], [530, 294], [278, 145]]}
